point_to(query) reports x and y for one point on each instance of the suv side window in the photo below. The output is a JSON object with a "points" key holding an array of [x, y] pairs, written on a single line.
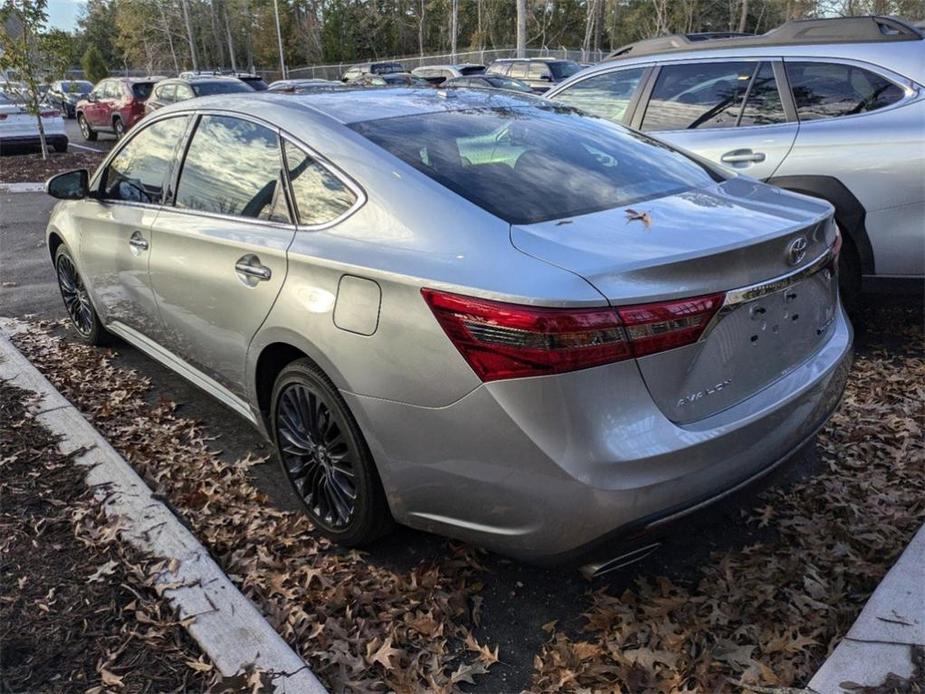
{"points": [[499, 68], [763, 105], [518, 70], [233, 167], [537, 70], [606, 95], [113, 90], [319, 196], [829, 90], [698, 95], [139, 172]]}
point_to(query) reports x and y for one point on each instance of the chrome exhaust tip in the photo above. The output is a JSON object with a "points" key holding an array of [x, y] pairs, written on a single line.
{"points": [[594, 570]]}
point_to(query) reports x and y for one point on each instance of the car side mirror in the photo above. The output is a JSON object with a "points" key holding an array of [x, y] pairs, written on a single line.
{"points": [[70, 185]]}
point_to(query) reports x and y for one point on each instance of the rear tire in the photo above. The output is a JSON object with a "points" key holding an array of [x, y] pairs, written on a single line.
{"points": [[118, 127], [324, 456], [85, 129], [849, 276], [83, 316]]}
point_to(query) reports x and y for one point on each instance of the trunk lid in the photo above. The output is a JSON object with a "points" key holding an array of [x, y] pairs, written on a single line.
{"points": [[730, 236]]}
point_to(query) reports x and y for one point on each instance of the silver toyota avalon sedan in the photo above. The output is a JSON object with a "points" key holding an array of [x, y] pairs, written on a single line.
{"points": [[479, 314]]}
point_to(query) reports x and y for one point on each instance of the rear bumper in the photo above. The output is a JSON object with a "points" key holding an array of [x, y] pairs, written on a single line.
{"points": [[52, 139], [545, 468]]}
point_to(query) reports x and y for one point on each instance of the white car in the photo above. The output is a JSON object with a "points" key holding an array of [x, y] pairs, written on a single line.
{"points": [[19, 128]]}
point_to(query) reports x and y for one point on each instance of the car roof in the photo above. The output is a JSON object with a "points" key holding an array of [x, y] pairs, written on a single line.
{"points": [[349, 106], [546, 59]]}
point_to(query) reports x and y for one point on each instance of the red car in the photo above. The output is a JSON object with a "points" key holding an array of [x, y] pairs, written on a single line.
{"points": [[114, 105]]}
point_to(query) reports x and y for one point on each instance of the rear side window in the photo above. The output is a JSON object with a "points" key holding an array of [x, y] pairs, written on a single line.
{"points": [[763, 105], [499, 68], [140, 170], [699, 95], [607, 95], [537, 70], [518, 70], [530, 164], [319, 196], [829, 90], [233, 167]]}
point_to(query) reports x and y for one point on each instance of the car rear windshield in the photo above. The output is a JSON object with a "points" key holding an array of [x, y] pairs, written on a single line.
{"points": [[564, 69], [529, 164], [229, 87], [142, 90], [472, 70], [386, 68]]}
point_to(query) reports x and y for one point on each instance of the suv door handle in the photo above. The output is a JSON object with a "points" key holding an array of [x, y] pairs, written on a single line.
{"points": [[742, 156], [250, 266], [138, 241]]}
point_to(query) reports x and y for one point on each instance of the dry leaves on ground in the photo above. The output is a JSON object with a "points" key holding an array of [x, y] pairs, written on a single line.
{"points": [[361, 627], [768, 614], [31, 168]]}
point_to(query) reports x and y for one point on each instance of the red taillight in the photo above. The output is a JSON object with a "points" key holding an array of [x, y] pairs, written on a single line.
{"points": [[2, 116], [501, 340], [49, 114], [668, 324]]}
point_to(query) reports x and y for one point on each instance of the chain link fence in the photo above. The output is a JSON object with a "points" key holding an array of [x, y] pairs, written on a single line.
{"points": [[483, 57]]}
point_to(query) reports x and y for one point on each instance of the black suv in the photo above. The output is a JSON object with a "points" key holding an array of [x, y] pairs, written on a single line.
{"points": [[539, 73]]}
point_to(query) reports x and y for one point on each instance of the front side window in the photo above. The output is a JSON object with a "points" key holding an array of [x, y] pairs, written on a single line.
{"points": [[528, 164], [233, 167], [698, 95], [607, 95], [830, 90], [319, 196], [141, 169]]}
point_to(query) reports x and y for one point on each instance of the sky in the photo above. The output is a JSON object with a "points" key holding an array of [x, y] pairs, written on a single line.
{"points": [[62, 14]]}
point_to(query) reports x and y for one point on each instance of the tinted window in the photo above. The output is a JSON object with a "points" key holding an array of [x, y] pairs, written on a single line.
{"points": [[826, 90], [564, 69], [140, 170], [233, 167], [763, 105], [472, 70], [531, 163], [606, 95], [319, 196], [223, 87], [699, 95], [142, 90]]}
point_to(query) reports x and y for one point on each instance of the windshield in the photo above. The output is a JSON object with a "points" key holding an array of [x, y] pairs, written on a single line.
{"points": [[229, 87], [528, 164], [564, 69]]}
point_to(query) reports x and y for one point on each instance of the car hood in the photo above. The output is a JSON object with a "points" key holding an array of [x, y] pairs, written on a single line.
{"points": [[726, 236]]}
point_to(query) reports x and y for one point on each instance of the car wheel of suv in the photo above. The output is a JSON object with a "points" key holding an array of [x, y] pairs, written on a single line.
{"points": [[118, 128], [77, 301], [85, 129], [325, 458]]}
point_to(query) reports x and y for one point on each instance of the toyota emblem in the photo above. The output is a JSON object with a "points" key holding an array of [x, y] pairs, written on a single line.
{"points": [[796, 250]]}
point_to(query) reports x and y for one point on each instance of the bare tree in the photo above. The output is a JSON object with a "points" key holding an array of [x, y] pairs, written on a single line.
{"points": [[189, 34], [743, 18]]}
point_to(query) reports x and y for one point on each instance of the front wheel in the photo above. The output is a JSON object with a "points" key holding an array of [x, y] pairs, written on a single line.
{"points": [[119, 128], [77, 301], [325, 458], [85, 129]]}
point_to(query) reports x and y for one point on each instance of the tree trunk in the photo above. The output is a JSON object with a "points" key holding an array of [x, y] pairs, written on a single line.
{"points": [[234, 65], [173, 53], [743, 18], [521, 28], [279, 39], [189, 35], [421, 30]]}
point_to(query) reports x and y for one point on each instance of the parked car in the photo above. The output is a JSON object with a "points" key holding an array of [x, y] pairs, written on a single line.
{"points": [[255, 82], [438, 74], [392, 79], [305, 86], [838, 115], [20, 129], [489, 81], [599, 334], [383, 68], [539, 73], [170, 91], [64, 95], [114, 105]]}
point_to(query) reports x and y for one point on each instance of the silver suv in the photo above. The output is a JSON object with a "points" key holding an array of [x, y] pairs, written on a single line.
{"points": [[831, 108]]}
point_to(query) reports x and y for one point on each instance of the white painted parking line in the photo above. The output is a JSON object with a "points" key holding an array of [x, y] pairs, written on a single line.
{"points": [[92, 149], [225, 624]]}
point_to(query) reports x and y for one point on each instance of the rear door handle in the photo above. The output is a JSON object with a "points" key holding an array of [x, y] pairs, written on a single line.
{"points": [[250, 266], [138, 241], [742, 156]]}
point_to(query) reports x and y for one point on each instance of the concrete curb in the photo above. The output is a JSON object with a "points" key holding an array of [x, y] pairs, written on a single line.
{"points": [[22, 187], [881, 639], [226, 625]]}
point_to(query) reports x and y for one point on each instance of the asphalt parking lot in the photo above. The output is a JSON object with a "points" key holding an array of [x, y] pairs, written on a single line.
{"points": [[518, 599], [104, 141]]}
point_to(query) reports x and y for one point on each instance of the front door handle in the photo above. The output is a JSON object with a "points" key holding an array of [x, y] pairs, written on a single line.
{"points": [[742, 156], [137, 241], [250, 266]]}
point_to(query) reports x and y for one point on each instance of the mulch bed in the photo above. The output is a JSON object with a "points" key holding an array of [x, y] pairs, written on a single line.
{"points": [[76, 613], [31, 168], [762, 615]]}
